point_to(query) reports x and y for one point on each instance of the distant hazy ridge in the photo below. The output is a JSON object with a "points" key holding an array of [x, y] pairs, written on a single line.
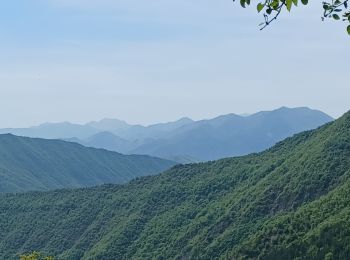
{"points": [[186, 140]]}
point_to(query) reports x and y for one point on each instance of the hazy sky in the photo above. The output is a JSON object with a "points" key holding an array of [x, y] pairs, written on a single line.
{"points": [[159, 60]]}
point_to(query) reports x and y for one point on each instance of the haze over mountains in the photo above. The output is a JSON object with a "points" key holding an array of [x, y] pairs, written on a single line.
{"points": [[28, 164], [186, 140], [291, 201]]}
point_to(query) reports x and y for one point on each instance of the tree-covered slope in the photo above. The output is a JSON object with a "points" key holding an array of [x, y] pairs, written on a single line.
{"points": [[318, 230], [289, 202], [39, 164]]}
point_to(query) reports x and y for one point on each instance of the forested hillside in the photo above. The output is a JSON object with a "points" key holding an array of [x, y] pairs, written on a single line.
{"points": [[289, 202], [38, 164]]}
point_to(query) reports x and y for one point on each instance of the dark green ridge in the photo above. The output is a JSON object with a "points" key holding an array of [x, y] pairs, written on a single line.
{"points": [[39, 164], [289, 202]]}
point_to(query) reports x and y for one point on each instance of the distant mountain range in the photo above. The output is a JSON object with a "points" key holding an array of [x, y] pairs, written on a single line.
{"points": [[291, 201], [186, 140], [41, 164]]}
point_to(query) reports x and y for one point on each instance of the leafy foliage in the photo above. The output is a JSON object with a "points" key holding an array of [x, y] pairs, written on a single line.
{"points": [[289, 202], [335, 9]]}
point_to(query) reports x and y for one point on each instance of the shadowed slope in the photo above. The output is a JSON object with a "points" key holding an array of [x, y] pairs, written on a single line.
{"points": [[39, 164]]}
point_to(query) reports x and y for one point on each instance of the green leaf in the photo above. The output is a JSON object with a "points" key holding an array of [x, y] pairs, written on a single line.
{"points": [[275, 5], [304, 2], [336, 17], [348, 29], [242, 2], [289, 4], [259, 7], [295, 2]]}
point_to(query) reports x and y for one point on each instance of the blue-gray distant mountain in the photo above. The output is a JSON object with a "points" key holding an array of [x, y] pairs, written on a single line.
{"points": [[109, 124], [224, 136], [63, 130], [108, 141], [156, 131], [41, 164], [111, 142], [234, 135], [186, 140], [66, 130]]}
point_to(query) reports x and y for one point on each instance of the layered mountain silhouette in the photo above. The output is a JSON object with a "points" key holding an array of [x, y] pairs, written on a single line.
{"points": [[291, 201], [54, 131], [186, 140], [233, 135], [41, 164]]}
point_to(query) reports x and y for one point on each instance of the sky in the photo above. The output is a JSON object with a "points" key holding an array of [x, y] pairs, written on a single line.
{"points": [[160, 60]]}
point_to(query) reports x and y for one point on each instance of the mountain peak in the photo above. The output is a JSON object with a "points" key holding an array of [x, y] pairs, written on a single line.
{"points": [[290, 109], [108, 124], [226, 117], [110, 120], [185, 119]]}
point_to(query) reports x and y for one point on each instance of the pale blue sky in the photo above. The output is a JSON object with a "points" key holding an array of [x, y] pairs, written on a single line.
{"points": [[152, 61]]}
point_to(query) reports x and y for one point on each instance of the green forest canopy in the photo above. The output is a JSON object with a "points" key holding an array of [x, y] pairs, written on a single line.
{"points": [[289, 202], [35, 256]]}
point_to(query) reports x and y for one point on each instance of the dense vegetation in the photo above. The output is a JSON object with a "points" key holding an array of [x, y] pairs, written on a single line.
{"points": [[289, 202], [35, 256], [39, 164]]}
